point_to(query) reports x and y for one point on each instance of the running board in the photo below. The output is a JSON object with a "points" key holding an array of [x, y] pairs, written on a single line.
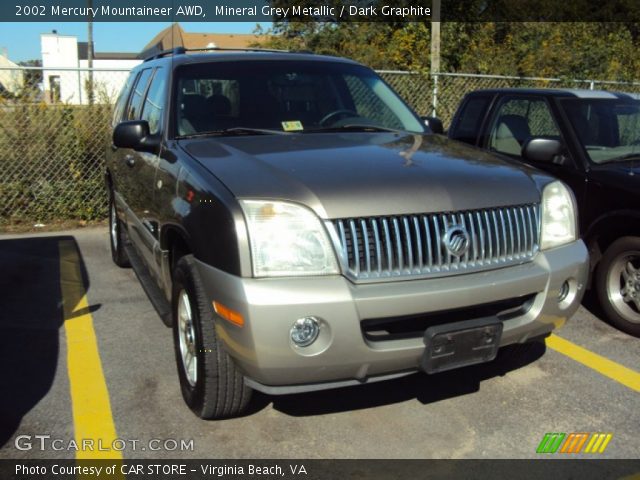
{"points": [[150, 287]]}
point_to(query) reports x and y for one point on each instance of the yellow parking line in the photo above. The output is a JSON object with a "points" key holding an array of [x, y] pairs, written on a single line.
{"points": [[600, 364], [92, 419]]}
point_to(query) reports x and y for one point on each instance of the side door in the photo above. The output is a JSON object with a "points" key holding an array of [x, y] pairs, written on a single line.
{"points": [[145, 207], [123, 159], [114, 160], [515, 119], [135, 187]]}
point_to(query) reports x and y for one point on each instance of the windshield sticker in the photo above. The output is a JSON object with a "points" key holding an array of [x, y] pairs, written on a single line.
{"points": [[292, 126]]}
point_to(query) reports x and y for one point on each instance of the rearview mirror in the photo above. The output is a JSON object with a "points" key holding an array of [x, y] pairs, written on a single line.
{"points": [[135, 134], [543, 149], [434, 124]]}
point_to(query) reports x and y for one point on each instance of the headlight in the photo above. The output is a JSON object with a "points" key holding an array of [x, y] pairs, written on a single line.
{"points": [[287, 239], [558, 216]]}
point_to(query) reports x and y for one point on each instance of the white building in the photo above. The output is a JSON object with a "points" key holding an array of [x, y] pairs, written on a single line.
{"points": [[11, 77], [66, 75]]}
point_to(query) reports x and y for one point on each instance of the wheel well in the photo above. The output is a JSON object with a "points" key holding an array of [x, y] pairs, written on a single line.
{"points": [[176, 245], [607, 231]]}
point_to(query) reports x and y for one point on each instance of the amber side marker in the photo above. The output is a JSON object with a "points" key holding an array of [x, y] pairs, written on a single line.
{"points": [[229, 315]]}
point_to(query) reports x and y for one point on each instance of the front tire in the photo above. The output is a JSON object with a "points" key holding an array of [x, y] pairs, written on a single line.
{"points": [[211, 384], [618, 284], [116, 237]]}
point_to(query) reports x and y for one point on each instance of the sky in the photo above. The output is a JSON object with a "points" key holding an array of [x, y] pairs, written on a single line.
{"points": [[22, 40]]}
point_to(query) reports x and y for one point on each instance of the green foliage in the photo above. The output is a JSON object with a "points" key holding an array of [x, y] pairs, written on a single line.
{"points": [[606, 51], [52, 161]]}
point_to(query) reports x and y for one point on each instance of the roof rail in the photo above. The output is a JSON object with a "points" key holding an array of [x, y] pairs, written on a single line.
{"points": [[164, 53], [182, 50], [230, 49]]}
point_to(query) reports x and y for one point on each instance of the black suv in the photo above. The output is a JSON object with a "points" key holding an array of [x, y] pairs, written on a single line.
{"points": [[590, 140], [300, 228]]}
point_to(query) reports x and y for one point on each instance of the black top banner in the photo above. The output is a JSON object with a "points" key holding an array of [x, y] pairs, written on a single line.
{"points": [[320, 11]]}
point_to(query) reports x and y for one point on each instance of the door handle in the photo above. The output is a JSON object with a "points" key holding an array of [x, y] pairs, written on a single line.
{"points": [[129, 160]]}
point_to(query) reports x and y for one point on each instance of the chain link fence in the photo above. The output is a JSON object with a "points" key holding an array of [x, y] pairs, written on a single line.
{"points": [[55, 127]]}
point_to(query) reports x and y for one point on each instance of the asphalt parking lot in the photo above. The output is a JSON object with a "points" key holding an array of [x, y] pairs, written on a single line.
{"points": [[85, 356]]}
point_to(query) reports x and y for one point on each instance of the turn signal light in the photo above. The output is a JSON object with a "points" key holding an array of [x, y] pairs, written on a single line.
{"points": [[229, 315]]}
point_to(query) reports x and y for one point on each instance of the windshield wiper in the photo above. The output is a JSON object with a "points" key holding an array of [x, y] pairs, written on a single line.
{"points": [[233, 131], [357, 127]]}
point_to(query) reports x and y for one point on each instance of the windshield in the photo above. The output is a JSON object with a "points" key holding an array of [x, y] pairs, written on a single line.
{"points": [[609, 129], [264, 97]]}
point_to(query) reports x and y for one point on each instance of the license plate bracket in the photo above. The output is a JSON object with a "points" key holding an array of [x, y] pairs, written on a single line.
{"points": [[460, 344]]}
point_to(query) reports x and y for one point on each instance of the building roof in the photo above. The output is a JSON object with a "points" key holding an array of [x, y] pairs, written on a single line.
{"points": [[175, 36], [83, 54]]}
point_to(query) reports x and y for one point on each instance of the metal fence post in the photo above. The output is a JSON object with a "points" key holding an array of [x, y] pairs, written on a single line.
{"points": [[435, 95]]}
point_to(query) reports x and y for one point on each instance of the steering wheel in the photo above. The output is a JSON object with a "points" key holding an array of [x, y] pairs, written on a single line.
{"points": [[336, 113]]}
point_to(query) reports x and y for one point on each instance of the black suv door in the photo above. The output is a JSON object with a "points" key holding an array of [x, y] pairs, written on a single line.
{"points": [[135, 172]]}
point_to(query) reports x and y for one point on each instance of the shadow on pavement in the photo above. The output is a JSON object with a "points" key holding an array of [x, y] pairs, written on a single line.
{"points": [[31, 314], [425, 388]]}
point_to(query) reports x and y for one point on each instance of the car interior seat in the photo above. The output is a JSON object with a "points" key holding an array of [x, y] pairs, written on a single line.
{"points": [[511, 133]]}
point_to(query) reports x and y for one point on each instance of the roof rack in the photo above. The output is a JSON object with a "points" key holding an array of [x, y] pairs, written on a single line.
{"points": [[164, 53], [182, 50]]}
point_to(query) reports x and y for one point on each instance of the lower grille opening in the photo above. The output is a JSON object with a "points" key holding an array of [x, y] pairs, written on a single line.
{"points": [[414, 326]]}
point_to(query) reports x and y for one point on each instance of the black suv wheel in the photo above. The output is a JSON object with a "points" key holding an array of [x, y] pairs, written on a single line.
{"points": [[618, 284], [211, 384]]}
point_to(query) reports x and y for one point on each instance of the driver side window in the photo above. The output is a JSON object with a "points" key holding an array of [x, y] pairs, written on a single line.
{"points": [[519, 119]]}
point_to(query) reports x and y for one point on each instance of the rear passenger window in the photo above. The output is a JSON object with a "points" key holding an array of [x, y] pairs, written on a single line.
{"points": [[135, 104], [122, 100], [154, 103], [469, 120]]}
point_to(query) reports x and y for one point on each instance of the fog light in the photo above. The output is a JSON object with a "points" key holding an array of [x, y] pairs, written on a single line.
{"points": [[305, 331], [564, 291]]}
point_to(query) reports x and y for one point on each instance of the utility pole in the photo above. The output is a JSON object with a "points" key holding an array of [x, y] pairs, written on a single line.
{"points": [[90, 52], [435, 37], [435, 52]]}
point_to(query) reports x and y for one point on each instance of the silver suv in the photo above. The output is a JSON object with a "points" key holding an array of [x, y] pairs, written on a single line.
{"points": [[299, 228]]}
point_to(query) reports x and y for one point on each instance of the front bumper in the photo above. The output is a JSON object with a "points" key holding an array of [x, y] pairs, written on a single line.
{"points": [[342, 355]]}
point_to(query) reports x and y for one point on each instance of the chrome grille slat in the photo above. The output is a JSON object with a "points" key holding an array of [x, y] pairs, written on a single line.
{"points": [[413, 245], [387, 241], [416, 227], [378, 252]]}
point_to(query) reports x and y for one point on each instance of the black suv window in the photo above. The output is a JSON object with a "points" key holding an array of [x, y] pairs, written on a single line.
{"points": [[154, 103], [608, 129], [135, 104], [122, 100], [518, 119], [470, 119]]}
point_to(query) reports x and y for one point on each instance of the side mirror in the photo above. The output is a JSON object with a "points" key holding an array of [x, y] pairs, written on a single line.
{"points": [[434, 124], [543, 149], [135, 135]]}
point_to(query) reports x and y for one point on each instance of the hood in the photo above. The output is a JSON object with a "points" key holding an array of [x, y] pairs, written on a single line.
{"points": [[365, 174], [622, 176]]}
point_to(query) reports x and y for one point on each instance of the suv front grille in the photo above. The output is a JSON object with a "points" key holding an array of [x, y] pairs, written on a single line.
{"points": [[426, 244]]}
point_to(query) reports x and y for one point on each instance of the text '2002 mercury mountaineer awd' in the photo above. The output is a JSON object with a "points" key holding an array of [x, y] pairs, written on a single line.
{"points": [[300, 228]]}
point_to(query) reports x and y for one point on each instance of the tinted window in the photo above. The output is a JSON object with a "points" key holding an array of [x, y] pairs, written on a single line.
{"points": [[122, 100], [154, 103], [518, 119], [135, 104], [286, 95], [470, 118], [608, 129]]}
